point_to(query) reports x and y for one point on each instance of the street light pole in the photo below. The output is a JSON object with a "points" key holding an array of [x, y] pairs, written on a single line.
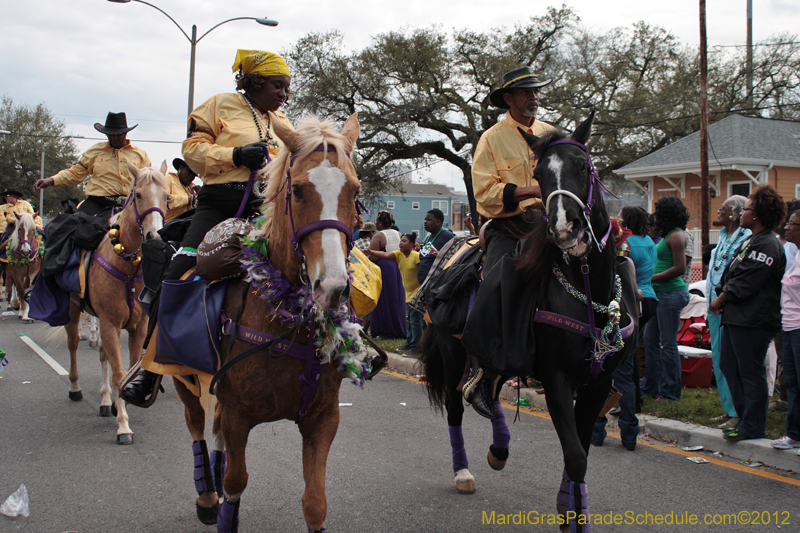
{"points": [[193, 40]]}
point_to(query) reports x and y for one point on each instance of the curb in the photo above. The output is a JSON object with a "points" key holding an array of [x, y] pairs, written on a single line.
{"points": [[681, 433]]}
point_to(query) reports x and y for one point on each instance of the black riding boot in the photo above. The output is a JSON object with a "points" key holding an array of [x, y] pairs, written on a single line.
{"points": [[141, 389], [480, 390]]}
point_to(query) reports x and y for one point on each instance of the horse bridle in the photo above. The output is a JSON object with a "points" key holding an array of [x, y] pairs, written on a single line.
{"points": [[319, 225], [139, 217], [34, 250], [586, 208]]}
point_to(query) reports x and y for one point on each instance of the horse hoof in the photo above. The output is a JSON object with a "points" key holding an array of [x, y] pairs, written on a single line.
{"points": [[124, 439], [27, 321], [465, 482], [76, 396], [207, 515], [93, 344], [497, 458], [105, 410]]}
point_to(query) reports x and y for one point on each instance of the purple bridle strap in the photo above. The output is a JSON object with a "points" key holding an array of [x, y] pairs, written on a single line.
{"points": [[575, 326], [129, 279], [140, 216], [250, 182]]}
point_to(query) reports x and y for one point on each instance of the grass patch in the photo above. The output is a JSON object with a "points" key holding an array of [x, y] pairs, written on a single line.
{"points": [[392, 345], [700, 405]]}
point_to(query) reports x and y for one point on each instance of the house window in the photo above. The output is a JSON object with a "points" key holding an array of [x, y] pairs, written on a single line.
{"points": [[415, 206], [741, 188], [390, 204], [796, 192], [441, 205]]}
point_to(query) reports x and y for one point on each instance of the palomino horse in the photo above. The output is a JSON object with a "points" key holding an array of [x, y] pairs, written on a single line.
{"points": [[309, 226], [572, 258], [114, 280], [25, 250]]}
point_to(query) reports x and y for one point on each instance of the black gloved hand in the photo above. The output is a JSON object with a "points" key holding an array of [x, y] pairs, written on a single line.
{"points": [[250, 156]]}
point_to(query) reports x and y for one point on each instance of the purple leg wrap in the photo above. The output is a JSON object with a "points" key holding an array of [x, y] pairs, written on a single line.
{"points": [[228, 517], [218, 470], [202, 468], [501, 436], [457, 445], [582, 510], [323, 530], [562, 500]]}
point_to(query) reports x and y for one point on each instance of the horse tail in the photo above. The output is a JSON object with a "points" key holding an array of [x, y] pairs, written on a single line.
{"points": [[432, 361]]}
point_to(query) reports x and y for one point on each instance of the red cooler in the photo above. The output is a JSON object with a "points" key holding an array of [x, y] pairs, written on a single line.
{"points": [[696, 366]]}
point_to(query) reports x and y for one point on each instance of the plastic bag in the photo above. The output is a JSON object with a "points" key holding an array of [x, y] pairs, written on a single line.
{"points": [[17, 504]]}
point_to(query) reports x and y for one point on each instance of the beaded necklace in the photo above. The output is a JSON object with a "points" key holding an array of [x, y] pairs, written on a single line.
{"points": [[257, 118], [721, 259]]}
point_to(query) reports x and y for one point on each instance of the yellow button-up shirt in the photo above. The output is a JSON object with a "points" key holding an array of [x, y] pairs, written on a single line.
{"points": [[8, 211], [222, 123], [501, 157], [108, 169], [183, 198]]}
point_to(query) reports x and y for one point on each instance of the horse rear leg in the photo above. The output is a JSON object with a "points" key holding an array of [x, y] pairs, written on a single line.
{"points": [[318, 431], [73, 337], [207, 503]]}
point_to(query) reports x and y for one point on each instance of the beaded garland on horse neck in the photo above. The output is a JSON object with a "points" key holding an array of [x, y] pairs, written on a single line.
{"points": [[610, 338]]}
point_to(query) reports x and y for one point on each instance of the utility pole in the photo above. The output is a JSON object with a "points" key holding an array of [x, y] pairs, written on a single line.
{"points": [[750, 54], [703, 129]]}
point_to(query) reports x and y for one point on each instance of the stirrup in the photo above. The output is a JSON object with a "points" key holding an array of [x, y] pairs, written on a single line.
{"points": [[151, 395], [471, 382]]}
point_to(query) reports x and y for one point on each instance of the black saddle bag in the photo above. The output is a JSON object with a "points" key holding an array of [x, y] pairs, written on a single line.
{"points": [[449, 293]]}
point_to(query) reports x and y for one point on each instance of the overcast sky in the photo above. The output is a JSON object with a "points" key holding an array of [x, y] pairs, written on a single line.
{"points": [[84, 58]]}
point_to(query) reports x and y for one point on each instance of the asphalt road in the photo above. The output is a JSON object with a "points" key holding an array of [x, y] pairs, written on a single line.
{"points": [[389, 468]]}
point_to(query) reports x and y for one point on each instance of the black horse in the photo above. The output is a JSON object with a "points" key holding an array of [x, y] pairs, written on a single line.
{"points": [[569, 257]]}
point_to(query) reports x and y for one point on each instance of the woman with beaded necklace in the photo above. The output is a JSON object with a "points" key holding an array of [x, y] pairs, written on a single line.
{"points": [[227, 136], [730, 237]]}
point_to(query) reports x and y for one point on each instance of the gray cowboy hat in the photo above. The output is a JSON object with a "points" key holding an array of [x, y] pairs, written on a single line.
{"points": [[521, 78], [116, 124]]}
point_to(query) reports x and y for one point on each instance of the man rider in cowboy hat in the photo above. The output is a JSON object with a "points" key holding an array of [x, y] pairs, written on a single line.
{"points": [[15, 204], [505, 191], [110, 180], [182, 192]]}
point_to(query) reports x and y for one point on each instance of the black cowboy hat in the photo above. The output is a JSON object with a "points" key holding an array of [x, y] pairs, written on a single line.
{"points": [[116, 124], [521, 78], [177, 163], [12, 192]]}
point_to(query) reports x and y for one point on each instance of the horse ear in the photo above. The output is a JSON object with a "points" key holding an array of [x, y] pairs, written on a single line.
{"points": [[285, 133], [132, 169], [530, 138], [164, 167], [584, 131], [351, 130]]}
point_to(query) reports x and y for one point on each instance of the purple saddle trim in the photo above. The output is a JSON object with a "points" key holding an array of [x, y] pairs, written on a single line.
{"points": [[228, 517], [570, 324], [202, 468]]}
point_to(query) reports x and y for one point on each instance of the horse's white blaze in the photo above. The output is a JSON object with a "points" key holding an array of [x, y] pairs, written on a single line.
{"points": [[156, 220], [328, 181], [563, 227]]}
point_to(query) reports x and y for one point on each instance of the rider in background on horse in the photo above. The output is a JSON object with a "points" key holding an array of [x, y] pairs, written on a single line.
{"points": [[228, 134], [505, 191], [182, 192], [106, 165], [15, 204]]}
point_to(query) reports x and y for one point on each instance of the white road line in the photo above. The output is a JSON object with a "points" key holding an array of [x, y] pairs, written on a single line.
{"points": [[44, 355]]}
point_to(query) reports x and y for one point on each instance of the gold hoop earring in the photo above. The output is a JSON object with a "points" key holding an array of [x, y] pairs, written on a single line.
{"points": [[730, 217]]}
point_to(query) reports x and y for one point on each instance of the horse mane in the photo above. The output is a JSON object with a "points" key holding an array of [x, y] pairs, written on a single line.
{"points": [[543, 142], [146, 176], [312, 132]]}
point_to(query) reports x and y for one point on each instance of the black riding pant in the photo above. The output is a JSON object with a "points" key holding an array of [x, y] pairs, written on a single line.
{"points": [[101, 207], [502, 236], [215, 203]]}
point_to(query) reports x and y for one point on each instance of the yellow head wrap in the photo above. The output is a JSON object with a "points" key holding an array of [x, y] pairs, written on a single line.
{"points": [[260, 62]]}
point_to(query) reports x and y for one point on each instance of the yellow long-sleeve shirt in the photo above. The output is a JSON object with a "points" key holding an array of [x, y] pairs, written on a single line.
{"points": [[501, 157], [222, 123], [8, 211], [182, 197], [107, 167]]}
